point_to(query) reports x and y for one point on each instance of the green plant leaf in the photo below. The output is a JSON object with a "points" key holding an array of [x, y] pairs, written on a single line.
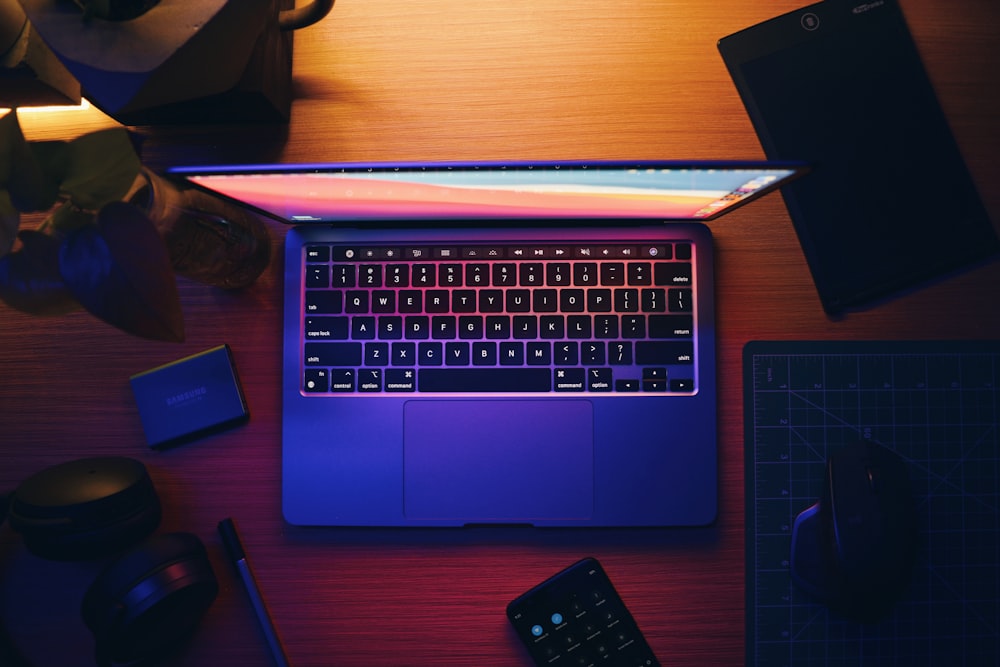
{"points": [[119, 270], [53, 157], [30, 280], [22, 174], [10, 220], [102, 166], [10, 137], [65, 219]]}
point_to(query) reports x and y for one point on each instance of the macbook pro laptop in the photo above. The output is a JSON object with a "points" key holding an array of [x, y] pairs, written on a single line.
{"points": [[498, 343]]}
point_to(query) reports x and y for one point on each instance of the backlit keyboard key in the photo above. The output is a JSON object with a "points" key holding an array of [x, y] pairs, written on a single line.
{"points": [[671, 326], [317, 276], [333, 354], [327, 328], [663, 353], [485, 380], [324, 302]]}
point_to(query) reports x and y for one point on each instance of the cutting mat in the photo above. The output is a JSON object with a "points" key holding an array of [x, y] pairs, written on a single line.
{"points": [[938, 405]]}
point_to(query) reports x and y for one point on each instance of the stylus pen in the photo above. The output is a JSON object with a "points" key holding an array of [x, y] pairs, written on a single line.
{"points": [[234, 547]]}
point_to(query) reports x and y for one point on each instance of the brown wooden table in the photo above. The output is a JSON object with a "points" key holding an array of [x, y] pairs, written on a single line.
{"points": [[440, 80]]}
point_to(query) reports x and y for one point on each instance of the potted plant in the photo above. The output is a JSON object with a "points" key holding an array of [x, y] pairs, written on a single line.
{"points": [[114, 233]]}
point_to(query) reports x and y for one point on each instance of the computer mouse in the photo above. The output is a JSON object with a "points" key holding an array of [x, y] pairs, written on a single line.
{"points": [[855, 548]]}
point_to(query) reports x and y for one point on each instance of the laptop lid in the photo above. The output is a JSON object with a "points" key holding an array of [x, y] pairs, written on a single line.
{"points": [[352, 192]]}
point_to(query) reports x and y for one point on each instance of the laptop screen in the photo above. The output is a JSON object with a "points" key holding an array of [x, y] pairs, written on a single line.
{"points": [[328, 193]]}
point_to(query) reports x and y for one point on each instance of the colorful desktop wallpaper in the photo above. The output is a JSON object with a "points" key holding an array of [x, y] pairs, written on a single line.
{"points": [[360, 193]]}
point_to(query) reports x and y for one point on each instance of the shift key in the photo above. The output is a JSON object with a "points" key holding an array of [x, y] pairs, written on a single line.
{"points": [[662, 353], [333, 354]]}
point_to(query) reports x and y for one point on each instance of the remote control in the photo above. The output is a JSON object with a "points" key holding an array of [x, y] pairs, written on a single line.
{"points": [[577, 618]]}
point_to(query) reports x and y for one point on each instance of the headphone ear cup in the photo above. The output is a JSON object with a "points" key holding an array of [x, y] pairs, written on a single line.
{"points": [[86, 508], [148, 600]]}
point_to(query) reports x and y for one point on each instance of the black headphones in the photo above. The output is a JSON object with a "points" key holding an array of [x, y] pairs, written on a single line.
{"points": [[153, 594]]}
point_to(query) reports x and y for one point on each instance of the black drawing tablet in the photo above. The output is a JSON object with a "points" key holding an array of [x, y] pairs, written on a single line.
{"points": [[890, 203]]}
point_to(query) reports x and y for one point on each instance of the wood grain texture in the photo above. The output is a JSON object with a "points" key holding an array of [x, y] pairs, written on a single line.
{"points": [[450, 80]]}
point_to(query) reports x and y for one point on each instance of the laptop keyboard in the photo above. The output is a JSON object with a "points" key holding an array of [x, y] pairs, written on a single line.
{"points": [[541, 318]]}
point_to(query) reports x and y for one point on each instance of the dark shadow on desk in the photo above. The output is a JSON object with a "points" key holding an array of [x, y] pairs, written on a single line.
{"points": [[580, 539], [183, 145]]}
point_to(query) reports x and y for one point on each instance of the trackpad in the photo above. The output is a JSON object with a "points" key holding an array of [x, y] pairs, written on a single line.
{"points": [[492, 461]]}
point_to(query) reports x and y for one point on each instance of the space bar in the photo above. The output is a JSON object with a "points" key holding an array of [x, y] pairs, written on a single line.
{"points": [[484, 379]]}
